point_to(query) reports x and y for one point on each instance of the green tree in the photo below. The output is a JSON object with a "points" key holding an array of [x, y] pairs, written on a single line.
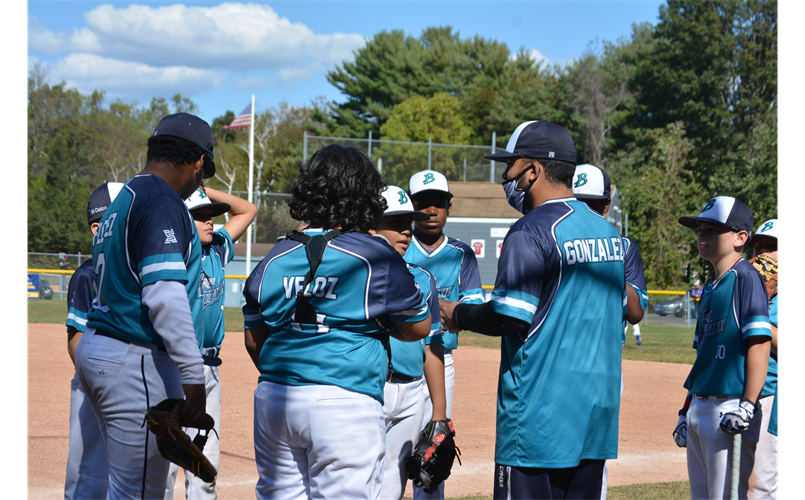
{"points": [[657, 189]]}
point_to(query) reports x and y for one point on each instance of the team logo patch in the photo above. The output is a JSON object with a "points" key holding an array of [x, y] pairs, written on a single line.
{"points": [[581, 180], [551, 154], [403, 198], [428, 178], [710, 204], [766, 227], [170, 236]]}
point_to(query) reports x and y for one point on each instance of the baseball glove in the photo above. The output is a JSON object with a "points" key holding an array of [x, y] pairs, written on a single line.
{"points": [[767, 267], [174, 444], [433, 455]]}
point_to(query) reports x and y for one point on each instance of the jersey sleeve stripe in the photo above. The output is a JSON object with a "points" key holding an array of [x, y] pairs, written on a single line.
{"points": [[757, 324], [519, 304], [162, 266], [473, 298], [76, 319]]}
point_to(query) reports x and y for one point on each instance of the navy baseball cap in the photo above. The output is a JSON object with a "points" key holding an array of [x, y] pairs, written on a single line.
{"points": [[192, 128], [540, 140], [724, 210], [100, 199], [591, 183]]}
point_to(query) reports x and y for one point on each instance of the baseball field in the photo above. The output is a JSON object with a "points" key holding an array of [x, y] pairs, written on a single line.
{"points": [[647, 453]]}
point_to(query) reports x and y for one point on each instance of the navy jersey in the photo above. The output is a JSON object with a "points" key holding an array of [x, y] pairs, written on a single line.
{"points": [[146, 235], [561, 270], [455, 268], [79, 296], [732, 309], [633, 267], [361, 288], [408, 358], [211, 287]]}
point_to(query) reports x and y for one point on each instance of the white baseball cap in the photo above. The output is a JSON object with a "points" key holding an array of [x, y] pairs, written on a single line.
{"points": [[591, 183], [399, 203], [199, 199], [768, 228], [725, 210], [428, 180]]}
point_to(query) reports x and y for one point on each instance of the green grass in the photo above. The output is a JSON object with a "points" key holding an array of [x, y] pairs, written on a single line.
{"points": [[667, 344], [47, 311], [677, 490]]}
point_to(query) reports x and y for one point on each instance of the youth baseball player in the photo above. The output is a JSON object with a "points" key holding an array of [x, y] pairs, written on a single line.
{"points": [[592, 185], [415, 364], [732, 359], [558, 304], [451, 262], [216, 253], [140, 346], [87, 463], [762, 460], [320, 308]]}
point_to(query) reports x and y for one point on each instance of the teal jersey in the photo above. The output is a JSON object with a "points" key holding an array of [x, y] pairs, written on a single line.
{"points": [[770, 387], [212, 287], [361, 288], [773, 320], [146, 235], [408, 358], [732, 309], [455, 268], [561, 270]]}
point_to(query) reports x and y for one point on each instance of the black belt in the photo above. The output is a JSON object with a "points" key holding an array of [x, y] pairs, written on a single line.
{"points": [[104, 333], [711, 398], [210, 356], [399, 378]]}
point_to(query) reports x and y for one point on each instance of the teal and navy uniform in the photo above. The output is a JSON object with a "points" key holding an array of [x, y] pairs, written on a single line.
{"points": [[79, 296], [408, 358], [561, 270], [361, 288], [453, 265], [127, 258], [212, 289], [633, 265], [773, 320], [732, 309]]}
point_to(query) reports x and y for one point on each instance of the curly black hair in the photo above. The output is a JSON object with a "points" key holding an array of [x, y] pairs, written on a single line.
{"points": [[174, 150], [338, 186]]}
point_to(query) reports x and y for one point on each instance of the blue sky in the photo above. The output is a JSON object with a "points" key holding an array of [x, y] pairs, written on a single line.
{"points": [[219, 54]]}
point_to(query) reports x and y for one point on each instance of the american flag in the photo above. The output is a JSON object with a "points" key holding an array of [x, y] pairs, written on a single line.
{"points": [[244, 119]]}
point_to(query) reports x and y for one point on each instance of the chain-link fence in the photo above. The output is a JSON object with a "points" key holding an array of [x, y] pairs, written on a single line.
{"points": [[399, 160], [273, 216]]}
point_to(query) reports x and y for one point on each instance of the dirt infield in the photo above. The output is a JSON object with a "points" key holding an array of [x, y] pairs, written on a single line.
{"points": [[646, 453]]}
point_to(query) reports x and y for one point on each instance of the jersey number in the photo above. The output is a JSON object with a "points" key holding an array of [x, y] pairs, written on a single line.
{"points": [[100, 270], [721, 351]]}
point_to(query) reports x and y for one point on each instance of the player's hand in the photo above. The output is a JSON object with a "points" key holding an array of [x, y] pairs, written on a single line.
{"points": [[681, 431], [446, 309], [738, 420], [195, 406]]}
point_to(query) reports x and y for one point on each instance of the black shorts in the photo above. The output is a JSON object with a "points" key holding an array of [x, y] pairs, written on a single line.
{"points": [[524, 483]]}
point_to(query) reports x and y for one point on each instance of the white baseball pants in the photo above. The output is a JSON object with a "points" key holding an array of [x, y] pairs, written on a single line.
{"points": [[87, 463], [317, 442], [195, 488], [121, 382], [760, 454], [403, 409]]}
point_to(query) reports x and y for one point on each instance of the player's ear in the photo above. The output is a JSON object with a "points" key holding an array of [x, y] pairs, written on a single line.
{"points": [[94, 227], [449, 205]]}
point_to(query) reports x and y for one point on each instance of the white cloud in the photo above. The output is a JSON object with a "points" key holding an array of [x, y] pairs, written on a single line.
{"points": [[538, 57], [235, 36], [88, 72]]}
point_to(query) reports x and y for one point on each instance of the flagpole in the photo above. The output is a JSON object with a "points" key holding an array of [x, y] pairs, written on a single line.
{"points": [[251, 189]]}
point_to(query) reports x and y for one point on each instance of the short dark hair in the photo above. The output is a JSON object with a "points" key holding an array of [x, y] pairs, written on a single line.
{"points": [[175, 150], [338, 186], [556, 171]]}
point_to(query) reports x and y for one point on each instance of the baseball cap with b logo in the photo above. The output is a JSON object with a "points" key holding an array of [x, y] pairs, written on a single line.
{"points": [[768, 228], [724, 210], [199, 199], [399, 203], [591, 183], [428, 180]]}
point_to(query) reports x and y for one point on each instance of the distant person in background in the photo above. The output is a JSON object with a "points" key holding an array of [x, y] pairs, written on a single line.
{"points": [[696, 291]]}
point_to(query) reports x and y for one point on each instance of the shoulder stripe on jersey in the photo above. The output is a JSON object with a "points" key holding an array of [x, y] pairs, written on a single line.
{"points": [[368, 277], [756, 324], [77, 319], [162, 266], [474, 296], [519, 304], [132, 268], [561, 269]]}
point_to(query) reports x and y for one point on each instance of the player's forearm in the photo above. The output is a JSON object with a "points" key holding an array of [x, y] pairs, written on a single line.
{"points": [[757, 367], [170, 314], [774, 340], [634, 313], [412, 332], [483, 319], [434, 377], [254, 339], [242, 211], [73, 338]]}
